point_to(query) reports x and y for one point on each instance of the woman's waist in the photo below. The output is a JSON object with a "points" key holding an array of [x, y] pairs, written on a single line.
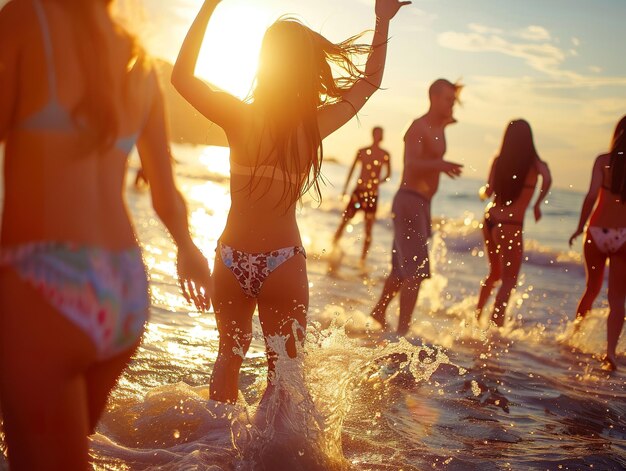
{"points": [[517, 207], [81, 228], [257, 240], [608, 218]]}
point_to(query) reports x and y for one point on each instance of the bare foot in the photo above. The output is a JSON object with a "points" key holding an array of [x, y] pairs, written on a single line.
{"points": [[577, 323], [379, 316], [609, 363]]}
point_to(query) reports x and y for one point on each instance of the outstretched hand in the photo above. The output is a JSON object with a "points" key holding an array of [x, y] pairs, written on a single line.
{"points": [[194, 277], [387, 9], [451, 169]]}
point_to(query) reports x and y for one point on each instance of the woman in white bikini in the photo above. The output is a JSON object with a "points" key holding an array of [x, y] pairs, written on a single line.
{"points": [[76, 94], [276, 154], [512, 181], [606, 238]]}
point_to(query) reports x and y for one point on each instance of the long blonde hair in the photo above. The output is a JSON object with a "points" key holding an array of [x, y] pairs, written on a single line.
{"points": [[295, 77]]}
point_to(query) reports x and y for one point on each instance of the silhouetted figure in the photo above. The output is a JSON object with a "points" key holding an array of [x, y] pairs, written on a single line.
{"points": [[424, 147], [512, 181], [605, 239], [76, 94], [276, 154], [365, 195]]}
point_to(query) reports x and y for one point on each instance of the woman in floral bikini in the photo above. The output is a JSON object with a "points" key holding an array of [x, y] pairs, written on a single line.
{"points": [[276, 154], [606, 239]]}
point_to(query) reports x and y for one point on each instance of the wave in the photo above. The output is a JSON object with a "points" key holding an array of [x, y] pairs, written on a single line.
{"points": [[465, 235]]}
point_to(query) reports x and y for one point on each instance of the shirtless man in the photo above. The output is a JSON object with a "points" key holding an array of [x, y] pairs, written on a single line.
{"points": [[424, 147], [365, 195]]}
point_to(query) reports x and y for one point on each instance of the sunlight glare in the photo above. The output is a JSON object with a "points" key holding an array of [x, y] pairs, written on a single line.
{"points": [[230, 51], [216, 159]]}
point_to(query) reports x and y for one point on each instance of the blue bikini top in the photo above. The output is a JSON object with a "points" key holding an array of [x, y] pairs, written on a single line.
{"points": [[53, 116]]}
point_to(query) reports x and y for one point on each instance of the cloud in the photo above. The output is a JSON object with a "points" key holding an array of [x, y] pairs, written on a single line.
{"points": [[544, 57], [557, 111], [534, 33], [482, 29], [535, 46]]}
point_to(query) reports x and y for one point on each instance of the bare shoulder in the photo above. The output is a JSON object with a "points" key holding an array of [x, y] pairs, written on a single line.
{"points": [[603, 160], [416, 129]]}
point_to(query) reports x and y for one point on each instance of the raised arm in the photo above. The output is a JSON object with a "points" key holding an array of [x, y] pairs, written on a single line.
{"points": [[591, 197], [9, 56], [332, 117], [546, 182], [153, 146], [220, 107], [356, 160]]}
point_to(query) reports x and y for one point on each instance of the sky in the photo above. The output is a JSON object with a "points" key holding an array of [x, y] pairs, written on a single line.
{"points": [[555, 63]]}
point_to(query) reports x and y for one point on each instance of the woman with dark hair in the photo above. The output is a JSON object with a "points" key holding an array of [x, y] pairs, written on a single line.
{"points": [[276, 154], [76, 94], [606, 238], [512, 181]]}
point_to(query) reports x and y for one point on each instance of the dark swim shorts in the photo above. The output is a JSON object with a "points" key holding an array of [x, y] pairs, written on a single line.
{"points": [[361, 200], [412, 229]]}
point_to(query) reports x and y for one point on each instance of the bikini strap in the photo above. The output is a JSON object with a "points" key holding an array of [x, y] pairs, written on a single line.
{"points": [[47, 44]]}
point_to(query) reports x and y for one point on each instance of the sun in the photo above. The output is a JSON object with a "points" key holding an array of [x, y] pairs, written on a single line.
{"points": [[230, 52]]}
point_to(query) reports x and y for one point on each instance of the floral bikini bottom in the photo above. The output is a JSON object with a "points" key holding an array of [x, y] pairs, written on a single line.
{"points": [[608, 240], [102, 292], [252, 269]]}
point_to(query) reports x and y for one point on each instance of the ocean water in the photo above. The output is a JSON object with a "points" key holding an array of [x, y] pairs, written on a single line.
{"points": [[452, 395]]}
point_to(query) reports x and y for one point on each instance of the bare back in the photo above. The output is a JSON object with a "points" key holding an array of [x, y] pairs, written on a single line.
{"points": [[372, 161], [260, 217], [54, 189], [515, 210], [609, 211]]}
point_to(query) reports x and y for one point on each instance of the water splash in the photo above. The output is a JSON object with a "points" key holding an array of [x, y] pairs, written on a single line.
{"points": [[297, 424]]}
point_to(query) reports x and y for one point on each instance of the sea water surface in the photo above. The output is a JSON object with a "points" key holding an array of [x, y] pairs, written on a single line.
{"points": [[454, 394]]}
